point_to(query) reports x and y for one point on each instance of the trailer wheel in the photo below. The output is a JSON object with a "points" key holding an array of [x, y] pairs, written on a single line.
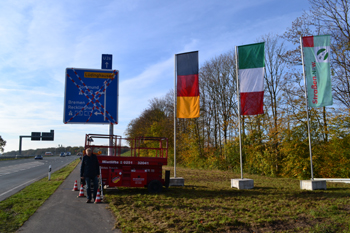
{"points": [[155, 186]]}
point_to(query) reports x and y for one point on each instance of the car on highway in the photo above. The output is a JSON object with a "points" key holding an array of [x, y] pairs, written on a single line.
{"points": [[62, 154], [38, 157], [48, 153], [68, 154]]}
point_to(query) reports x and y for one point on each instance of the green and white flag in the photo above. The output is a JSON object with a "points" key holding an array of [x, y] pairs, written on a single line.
{"points": [[251, 69], [317, 70]]}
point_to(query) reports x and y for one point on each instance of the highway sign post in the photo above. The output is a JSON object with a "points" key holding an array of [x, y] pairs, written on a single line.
{"points": [[106, 62], [91, 96], [37, 136]]}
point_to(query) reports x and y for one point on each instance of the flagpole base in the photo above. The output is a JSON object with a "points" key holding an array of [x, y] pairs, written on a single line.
{"points": [[177, 181], [313, 184], [242, 183]]}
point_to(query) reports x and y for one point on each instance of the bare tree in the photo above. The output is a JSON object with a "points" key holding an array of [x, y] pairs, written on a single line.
{"points": [[274, 82], [218, 98], [275, 71]]}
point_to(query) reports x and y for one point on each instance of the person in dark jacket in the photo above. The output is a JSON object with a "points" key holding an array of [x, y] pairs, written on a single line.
{"points": [[90, 171]]}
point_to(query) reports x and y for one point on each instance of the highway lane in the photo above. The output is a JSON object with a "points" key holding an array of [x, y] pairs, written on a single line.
{"points": [[17, 174]]}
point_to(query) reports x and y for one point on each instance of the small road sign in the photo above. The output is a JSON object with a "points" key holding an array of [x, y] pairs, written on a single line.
{"points": [[91, 96], [106, 63]]}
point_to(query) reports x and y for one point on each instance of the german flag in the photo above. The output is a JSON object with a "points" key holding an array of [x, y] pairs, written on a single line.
{"points": [[187, 85]]}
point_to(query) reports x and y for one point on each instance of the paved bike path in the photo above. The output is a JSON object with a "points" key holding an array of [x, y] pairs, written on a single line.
{"points": [[63, 212]]}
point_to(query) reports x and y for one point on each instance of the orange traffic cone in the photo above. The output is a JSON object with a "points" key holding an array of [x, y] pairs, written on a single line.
{"points": [[75, 188], [81, 193], [98, 198]]}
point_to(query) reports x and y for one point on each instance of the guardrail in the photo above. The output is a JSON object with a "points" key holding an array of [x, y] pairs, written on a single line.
{"points": [[339, 180]]}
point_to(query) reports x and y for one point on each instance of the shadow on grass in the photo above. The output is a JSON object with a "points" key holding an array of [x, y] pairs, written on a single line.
{"points": [[195, 186], [342, 188], [188, 192], [263, 188], [196, 192]]}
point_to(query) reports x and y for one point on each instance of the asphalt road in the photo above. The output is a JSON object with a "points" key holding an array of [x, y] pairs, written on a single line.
{"points": [[17, 174]]}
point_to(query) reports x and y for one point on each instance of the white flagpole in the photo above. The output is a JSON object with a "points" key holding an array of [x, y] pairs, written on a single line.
{"points": [[307, 107], [239, 114], [175, 96]]}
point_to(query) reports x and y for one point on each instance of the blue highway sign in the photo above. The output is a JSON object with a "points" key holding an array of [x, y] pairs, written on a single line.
{"points": [[106, 62], [91, 96]]}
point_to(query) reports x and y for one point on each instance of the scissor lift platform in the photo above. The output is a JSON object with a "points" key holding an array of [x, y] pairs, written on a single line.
{"points": [[131, 162]]}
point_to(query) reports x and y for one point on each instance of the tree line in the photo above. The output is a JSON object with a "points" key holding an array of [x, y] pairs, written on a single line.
{"points": [[276, 142]]}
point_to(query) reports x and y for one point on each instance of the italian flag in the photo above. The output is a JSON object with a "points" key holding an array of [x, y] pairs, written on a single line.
{"points": [[317, 70], [251, 68]]}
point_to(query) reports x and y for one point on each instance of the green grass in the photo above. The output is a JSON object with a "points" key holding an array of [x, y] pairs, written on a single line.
{"points": [[15, 210], [208, 204], [127, 154]]}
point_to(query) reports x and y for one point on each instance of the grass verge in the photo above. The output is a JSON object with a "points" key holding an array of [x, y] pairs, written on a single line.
{"points": [[208, 204], [15, 210]]}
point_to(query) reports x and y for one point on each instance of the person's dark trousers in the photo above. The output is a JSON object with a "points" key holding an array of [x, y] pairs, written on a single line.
{"points": [[88, 186]]}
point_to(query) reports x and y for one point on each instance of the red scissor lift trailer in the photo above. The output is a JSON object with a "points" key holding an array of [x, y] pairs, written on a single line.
{"points": [[131, 162]]}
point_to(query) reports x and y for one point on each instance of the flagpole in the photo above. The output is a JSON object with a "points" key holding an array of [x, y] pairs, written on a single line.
{"points": [[307, 107], [239, 114], [175, 94]]}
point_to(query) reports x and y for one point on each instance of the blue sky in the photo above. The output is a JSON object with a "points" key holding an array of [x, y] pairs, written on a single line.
{"points": [[40, 39]]}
